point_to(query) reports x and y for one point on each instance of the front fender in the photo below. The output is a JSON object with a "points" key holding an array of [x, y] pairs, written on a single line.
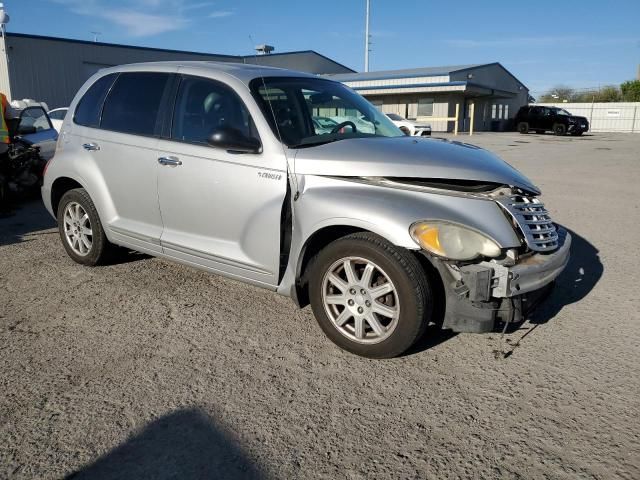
{"points": [[388, 212]]}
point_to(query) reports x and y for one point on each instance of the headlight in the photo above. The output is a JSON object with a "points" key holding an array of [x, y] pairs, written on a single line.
{"points": [[453, 241]]}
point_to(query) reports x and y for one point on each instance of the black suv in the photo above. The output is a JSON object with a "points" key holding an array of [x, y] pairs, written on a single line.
{"points": [[558, 120]]}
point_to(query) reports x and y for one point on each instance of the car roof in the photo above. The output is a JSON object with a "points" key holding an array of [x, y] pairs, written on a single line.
{"points": [[244, 72]]}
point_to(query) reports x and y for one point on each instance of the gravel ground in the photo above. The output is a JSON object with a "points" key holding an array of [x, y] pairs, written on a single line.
{"points": [[147, 369]]}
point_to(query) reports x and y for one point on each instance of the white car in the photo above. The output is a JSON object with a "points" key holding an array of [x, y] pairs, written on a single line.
{"points": [[57, 117], [409, 127]]}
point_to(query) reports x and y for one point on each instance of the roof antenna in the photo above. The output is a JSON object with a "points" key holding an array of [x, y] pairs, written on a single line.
{"points": [[291, 175]]}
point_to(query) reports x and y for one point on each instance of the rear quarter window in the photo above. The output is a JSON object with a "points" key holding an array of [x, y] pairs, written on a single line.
{"points": [[134, 102], [90, 105]]}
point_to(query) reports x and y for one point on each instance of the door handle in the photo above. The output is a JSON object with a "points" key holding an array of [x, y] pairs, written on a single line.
{"points": [[173, 161], [91, 146]]}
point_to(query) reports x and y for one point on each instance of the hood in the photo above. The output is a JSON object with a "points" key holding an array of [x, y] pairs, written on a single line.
{"points": [[408, 157]]}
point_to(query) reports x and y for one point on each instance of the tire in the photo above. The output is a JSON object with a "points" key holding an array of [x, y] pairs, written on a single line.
{"points": [[407, 308], [559, 129], [99, 249], [406, 131], [523, 127]]}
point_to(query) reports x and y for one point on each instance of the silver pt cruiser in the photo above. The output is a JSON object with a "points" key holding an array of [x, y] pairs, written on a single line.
{"points": [[222, 167]]}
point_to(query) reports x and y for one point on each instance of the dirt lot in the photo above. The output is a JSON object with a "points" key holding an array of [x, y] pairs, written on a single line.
{"points": [[146, 369]]}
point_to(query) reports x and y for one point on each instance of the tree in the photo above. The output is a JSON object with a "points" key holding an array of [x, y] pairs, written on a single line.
{"points": [[608, 93], [558, 94], [631, 91]]}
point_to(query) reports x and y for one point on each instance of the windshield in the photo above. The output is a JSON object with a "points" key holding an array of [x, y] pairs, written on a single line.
{"points": [[311, 111], [395, 117]]}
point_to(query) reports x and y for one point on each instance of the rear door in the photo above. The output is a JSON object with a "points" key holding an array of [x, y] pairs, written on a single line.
{"points": [[123, 147], [546, 118], [534, 117], [220, 209]]}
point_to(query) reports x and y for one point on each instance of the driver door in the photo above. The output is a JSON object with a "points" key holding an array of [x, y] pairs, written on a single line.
{"points": [[220, 210]]}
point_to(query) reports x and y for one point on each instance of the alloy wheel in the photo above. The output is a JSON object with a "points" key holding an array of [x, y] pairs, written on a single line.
{"points": [[77, 229], [361, 300]]}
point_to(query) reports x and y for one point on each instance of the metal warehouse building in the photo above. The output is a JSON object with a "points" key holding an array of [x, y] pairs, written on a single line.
{"points": [[51, 70], [431, 94]]}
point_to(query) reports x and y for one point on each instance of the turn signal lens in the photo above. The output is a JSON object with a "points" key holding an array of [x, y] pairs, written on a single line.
{"points": [[453, 241]]}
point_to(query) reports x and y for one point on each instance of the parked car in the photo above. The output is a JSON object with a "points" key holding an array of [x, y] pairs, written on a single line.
{"points": [[557, 120], [33, 126], [361, 123], [57, 116], [323, 124], [382, 233], [409, 127]]}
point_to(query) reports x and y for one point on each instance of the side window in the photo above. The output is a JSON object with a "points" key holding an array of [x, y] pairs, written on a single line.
{"points": [[134, 102], [203, 106], [57, 115], [90, 105]]}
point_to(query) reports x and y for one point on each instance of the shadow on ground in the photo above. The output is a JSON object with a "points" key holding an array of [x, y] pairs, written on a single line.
{"points": [[185, 444], [579, 277], [24, 220], [28, 220]]}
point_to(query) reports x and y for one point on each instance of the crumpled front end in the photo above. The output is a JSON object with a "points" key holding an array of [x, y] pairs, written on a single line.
{"points": [[482, 294]]}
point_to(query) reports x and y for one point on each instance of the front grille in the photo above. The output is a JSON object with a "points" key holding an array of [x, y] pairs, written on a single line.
{"points": [[533, 220]]}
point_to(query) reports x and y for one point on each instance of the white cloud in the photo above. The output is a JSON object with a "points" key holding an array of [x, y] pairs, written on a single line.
{"points": [[142, 18], [220, 14], [139, 24]]}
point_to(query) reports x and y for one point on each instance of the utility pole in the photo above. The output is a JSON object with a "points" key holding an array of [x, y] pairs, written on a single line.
{"points": [[366, 40], [95, 36]]}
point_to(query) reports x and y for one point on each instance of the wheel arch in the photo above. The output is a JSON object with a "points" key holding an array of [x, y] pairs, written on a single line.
{"points": [[59, 187], [320, 238]]}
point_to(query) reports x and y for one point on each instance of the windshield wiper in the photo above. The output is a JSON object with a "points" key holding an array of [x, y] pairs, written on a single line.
{"points": [[309, 143]]}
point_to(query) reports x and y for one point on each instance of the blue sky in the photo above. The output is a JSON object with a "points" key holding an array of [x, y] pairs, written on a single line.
{"points": [[544, 43]]}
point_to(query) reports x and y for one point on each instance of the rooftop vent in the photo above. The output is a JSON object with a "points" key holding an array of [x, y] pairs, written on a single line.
{"points": [[264, 49]]}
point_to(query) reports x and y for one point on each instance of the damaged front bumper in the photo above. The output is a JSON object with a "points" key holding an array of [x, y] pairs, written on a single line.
{"points": [[478, 296]]}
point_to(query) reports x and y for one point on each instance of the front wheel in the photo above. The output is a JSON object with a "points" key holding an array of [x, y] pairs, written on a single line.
{"points": [[559, 129], [370, 297]]}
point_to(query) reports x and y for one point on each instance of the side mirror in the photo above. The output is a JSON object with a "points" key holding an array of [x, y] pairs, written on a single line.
{"points": [[26, 130], [233, 140]]}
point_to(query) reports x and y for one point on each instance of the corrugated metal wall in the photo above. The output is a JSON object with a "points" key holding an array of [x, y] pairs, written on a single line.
{"points": [[605, 117], [52, 70]]}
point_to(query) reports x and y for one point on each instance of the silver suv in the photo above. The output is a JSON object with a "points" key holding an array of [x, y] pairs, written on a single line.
{"points": [[222, 167]]}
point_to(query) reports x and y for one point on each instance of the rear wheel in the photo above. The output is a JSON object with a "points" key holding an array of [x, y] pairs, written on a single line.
{"points": [[80, 229], [368, 296], [559, 129], [523, 127]]}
